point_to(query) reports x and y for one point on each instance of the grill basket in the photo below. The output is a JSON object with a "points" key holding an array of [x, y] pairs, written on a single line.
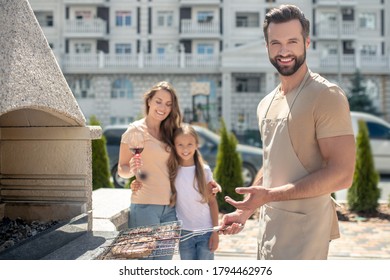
{"points": [[144, 242]]}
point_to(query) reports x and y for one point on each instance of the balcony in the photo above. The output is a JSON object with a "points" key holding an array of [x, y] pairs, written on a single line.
{"points": [[331, 3], [128, 63], [199, 29], [199, 2], [349, 63], [82, 28], [80, 62], [329, 30], [84, 2]]}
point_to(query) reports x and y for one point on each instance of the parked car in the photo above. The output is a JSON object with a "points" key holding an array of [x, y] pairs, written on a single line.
{"points": [[379, 133], [252, 157]]}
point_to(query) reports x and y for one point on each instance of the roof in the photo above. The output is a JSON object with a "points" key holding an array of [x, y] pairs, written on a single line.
{"points": [[30, 78]]}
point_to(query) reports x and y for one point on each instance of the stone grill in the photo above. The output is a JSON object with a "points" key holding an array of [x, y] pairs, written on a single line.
{"points": [[45, 144]]}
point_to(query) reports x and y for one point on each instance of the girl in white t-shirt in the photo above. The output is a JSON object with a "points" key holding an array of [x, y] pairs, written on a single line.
{"points": [[196, 205]]}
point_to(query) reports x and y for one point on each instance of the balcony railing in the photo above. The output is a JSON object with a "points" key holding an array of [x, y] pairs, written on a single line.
{"points": [[347, 2], [85, 61], [177, 62], [331, 29], [366, 63], [201, 28], [200, 2], [85, 27], [336, 2], [85, 2], [126, 62]]}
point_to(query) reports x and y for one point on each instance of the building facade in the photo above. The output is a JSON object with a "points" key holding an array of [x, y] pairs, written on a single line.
{"points": [[212, 51]]}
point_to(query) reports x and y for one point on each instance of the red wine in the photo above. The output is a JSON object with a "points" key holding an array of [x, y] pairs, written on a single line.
{"points": [[136, 151]]}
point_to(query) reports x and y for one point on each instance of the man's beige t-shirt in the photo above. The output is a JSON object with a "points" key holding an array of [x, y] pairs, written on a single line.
{"points": [[156, 187], [320, 110]]}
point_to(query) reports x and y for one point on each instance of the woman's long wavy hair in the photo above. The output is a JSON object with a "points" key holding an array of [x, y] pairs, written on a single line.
{"points": [[174, 163], [173, 120]]}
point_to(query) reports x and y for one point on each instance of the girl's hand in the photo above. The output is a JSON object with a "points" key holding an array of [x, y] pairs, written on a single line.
{"points": [[214, 241], [135, 185], [214, 187]]}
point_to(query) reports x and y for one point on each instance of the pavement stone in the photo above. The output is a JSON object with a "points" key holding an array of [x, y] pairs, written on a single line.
{"points": [[359, 240]]}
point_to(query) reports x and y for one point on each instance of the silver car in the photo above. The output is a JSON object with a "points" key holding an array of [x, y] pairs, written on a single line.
{"points": [[252, 157], [379, 133]]}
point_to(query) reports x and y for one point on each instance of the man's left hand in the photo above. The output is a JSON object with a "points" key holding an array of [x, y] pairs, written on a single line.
{"points": [[255, 197]]}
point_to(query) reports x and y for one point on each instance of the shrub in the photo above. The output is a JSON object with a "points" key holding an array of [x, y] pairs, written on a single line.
{"points": [[364, 193], [100, 161], [228, 170]]}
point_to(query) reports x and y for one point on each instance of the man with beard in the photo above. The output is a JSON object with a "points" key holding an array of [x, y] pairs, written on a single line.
{"points": [[309, 150]]}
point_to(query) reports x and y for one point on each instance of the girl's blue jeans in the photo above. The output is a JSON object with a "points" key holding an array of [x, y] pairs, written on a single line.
{"points": [[195, 248]]}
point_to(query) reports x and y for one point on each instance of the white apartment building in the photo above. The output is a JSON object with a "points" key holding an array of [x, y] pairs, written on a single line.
{"points": [[212, 51]]}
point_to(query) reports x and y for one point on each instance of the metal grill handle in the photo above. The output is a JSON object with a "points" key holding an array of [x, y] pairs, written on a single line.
{"points": [[200, 232]]}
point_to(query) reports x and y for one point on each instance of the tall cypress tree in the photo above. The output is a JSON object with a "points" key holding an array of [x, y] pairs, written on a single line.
{"points": [[364, 193], [100, 161], [228, 170]]}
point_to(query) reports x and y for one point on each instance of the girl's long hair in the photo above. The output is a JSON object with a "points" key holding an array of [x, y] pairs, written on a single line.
{"points": [[173, 120], [174, 163]]}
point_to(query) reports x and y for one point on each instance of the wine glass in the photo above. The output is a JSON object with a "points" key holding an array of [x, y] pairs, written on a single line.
{"points": [[136, 146]]}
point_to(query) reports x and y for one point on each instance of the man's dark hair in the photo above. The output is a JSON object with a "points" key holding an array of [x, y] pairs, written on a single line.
{"points": [[283, 14]]}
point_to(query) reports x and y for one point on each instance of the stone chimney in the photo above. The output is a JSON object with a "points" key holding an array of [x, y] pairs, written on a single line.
{"points": [[45, 145]]}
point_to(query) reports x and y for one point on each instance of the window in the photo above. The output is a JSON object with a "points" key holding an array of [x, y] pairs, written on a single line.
{"points": [[160, 50], [205, 49], [83, 47], [165, 48], [81, 88], [330, 49], [248, 84], [122, 48], [328, 17], [348, 47], [122, 89], [123, 18], [165, 18], [348, 14], [247, 19], [83, 14], [44, 18], [368, 49], [378, 131], [205, 16], [367, 21]]}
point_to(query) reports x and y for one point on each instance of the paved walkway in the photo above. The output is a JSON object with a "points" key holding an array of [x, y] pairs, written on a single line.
{"points": [[359, 240]]}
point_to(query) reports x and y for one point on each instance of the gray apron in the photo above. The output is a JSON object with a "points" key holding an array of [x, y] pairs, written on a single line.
{"points": [[294, 229]]}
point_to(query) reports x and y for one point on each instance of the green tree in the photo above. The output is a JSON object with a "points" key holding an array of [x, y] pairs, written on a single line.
{"points": [[358, 98], [100, 161], [364, 193], [228, 170]]}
